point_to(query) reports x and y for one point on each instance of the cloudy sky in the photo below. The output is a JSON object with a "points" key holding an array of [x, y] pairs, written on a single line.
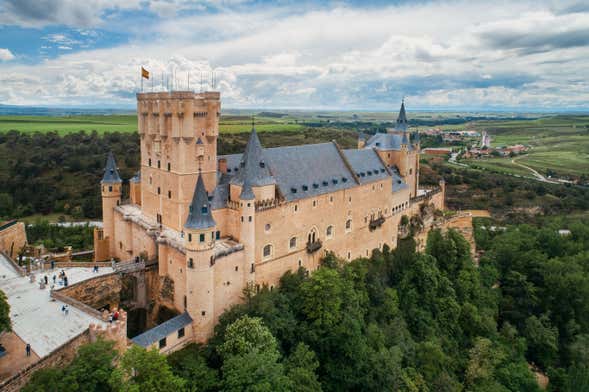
{"points": [[296, 54]]}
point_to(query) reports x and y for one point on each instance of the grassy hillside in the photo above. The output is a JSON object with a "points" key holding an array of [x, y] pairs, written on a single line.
{"points": [[559, 145]]}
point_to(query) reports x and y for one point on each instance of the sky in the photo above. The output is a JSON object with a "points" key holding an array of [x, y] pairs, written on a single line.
{"points": [[341, 55]]}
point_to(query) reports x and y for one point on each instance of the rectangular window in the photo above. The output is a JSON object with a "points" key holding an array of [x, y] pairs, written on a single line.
{"points": [[189, 237], [159, 164], [162, 343], [149, 162], [180, 333], [110, 188], [169, 166], [202, 237], [169, 194], [217, 235], [159, 190]]}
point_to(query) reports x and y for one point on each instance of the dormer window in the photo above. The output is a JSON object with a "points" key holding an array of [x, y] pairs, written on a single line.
{"points": [[315, 185], [293, 190], [262, 164], [205, 209], [242, 164], [325, 183], [305, 188]]}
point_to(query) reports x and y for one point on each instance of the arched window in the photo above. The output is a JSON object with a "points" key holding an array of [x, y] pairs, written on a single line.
{"points": [[312, 237], [349, 224], [292, 243], [267, 252], [329, 231]]}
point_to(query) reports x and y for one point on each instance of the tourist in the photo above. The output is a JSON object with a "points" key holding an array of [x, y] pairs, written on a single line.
{"points": [[110, 318], [63, 308], [64, 280], [52, 264], [54, 277], [46, 279], [28, 350], [115, 315], [67, 310]]}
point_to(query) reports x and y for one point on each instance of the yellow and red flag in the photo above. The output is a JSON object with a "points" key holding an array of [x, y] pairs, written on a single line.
{"points": [[144, 73]]}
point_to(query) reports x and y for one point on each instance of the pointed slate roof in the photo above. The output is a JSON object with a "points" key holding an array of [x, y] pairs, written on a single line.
{"points": [[199, 214], [402, 123], [253, 167], [405, 140], [111, 174]]}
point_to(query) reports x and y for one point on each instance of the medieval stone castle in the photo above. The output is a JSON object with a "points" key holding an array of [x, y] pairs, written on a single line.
{"points": [[218, 223]]}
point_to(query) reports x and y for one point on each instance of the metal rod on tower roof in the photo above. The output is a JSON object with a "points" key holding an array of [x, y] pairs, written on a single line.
{"points": [[188, 80]]}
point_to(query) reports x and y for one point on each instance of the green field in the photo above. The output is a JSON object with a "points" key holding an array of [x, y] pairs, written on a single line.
{"points": [[128, 123], [500, 165], [69, 124], [559, 145]]}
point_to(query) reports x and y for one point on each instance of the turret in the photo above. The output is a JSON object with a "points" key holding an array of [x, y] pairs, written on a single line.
{"points": [[416, 140], [402, 123], [361, 141], [111, 185], [254, 172], [199, 241]]}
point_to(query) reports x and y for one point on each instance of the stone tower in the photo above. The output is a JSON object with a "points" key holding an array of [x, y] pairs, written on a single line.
{"points": [[253, 184], [200, 231], [178, 132], [111, 185]]}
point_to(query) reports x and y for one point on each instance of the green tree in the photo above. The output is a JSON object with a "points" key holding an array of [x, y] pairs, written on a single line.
{"points": [[49, 380], [93, 366], [190, 364], [251, 358], [301, 367], [5, 325], [143, 370]]}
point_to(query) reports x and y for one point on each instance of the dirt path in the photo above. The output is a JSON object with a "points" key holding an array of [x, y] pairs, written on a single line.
{"points": [[539, 176]]}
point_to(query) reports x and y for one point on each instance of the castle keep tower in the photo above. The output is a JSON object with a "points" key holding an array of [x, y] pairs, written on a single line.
{"points": [[199, 241], [111, 197], [178, 132]]}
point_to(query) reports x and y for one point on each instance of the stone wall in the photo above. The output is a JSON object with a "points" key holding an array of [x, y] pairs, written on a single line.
{"points": [[12, 238], [59, 357], [99, 292]]}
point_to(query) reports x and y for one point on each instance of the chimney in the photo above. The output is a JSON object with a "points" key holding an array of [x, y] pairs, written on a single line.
{"points": [[223, 165]]}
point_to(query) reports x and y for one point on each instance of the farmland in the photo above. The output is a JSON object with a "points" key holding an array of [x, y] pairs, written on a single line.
{"points": [[559, 145]]}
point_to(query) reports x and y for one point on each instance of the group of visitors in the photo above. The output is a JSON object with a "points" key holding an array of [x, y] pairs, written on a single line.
{"points": [[114, 316]]}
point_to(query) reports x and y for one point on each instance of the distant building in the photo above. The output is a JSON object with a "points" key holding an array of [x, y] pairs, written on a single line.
{"points": [[485, 140]]}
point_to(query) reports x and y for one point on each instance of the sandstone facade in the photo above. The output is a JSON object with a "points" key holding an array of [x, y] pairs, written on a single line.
{"points": [[219, 223]]}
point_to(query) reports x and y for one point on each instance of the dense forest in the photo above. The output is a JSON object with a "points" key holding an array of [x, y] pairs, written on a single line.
{"points": [[399, 321], [43, 173]]}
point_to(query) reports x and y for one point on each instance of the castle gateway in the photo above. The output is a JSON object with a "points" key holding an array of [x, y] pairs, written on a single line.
{"points": [[216, 223]]}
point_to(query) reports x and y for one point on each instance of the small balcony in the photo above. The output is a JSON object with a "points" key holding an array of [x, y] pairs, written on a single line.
{"points": [[314, 246], [376, 223]]}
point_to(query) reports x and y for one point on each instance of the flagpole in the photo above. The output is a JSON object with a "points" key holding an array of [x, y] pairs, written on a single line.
{"points": [[141, 76]]}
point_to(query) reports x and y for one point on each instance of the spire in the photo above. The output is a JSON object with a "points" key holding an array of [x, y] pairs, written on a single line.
{"points": [[402, 119], [199, 214], [253, 168], [111, 174]]}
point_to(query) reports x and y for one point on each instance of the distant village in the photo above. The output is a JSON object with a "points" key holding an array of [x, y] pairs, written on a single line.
{"points": [[469, 144]]}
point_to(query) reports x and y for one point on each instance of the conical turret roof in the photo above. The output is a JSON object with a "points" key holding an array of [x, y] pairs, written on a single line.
{"points": [[402, 123], [199, 213], [111, 174], [253, 168], [405, 140]]}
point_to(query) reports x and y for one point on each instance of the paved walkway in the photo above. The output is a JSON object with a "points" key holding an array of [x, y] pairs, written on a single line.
{"points": [[36, 317]]}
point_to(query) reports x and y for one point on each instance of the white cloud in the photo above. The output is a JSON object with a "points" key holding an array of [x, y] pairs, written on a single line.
{"points": [[6, 55], [457, 53]]}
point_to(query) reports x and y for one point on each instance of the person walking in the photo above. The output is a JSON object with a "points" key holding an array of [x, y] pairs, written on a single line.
{"points": [[63, 308], [46, 279], [28, 349], [67, 310]]}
